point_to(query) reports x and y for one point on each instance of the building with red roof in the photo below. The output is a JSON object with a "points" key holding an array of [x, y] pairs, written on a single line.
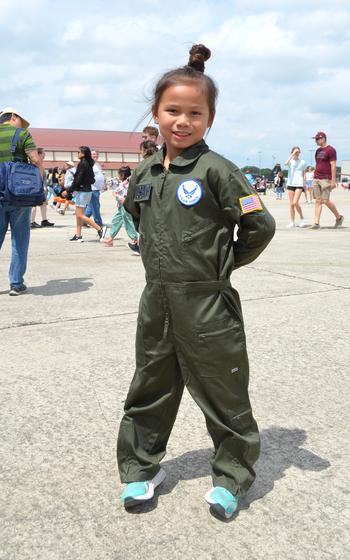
{"points": [[115, 148]]}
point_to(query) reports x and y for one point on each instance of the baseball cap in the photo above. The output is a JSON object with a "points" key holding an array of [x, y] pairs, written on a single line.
{"points": [[319, 135], [13, 110]]}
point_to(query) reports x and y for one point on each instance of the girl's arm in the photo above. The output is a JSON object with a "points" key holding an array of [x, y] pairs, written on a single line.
{"points": [[243, 208]]}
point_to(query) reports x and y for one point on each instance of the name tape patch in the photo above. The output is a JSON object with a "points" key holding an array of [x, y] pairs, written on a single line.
{"points": [[250, 203], [142, 192]]}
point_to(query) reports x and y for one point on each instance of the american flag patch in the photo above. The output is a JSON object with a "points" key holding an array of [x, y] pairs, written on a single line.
{"points": [[250, 203]]}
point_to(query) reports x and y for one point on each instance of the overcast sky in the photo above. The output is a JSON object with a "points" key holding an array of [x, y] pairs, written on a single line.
{"points": [[282, 67]]}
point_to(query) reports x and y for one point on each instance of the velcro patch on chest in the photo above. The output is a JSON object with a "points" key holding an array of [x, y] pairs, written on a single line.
{"points": [[250, 203], [142, 192], [189, 192]]}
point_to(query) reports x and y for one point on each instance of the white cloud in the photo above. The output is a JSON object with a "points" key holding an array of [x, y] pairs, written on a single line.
{"points": [[74, 31]]}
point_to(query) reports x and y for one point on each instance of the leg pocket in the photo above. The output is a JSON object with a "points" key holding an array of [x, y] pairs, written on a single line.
{"points": [[221, 347], [233, 304]]}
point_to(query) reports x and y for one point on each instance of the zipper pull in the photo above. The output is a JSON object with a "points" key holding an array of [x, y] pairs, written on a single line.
{"points": [[165, 173]]}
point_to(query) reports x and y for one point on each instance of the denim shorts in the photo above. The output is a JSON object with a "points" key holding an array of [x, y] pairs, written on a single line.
{"points": [[82, 199]]}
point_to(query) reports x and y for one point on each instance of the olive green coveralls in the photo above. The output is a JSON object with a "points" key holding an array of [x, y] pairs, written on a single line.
{"points": [[190, 327]]}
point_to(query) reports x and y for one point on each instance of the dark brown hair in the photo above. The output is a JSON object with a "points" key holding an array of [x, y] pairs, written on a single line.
{"points": [[193, 71], [124, 172], [148, 148], [151, 131]]}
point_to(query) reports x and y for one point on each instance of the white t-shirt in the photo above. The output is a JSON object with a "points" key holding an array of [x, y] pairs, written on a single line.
{"points": [[309, 175], [69, 177], [99, 178], [296, 170]]}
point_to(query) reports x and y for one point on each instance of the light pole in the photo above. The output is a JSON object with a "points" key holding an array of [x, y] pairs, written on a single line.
{"points": [[259, 162], [273, 161]]}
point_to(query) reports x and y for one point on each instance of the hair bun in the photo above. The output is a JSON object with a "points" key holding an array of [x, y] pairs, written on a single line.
{"points": [[199, 54]]}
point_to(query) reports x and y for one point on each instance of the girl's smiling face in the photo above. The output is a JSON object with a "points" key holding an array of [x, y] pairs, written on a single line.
{"points": [[183, 117]]}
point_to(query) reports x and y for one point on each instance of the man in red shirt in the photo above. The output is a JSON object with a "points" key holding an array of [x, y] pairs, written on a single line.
{"points": [[324, 179]]}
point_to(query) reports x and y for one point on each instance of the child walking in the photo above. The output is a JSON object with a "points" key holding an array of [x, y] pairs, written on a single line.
{"points": [[279, 185], [309, 176], [122, 217], [187, 201]]}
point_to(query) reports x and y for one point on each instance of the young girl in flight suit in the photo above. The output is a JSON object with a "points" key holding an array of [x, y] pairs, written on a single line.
{"points": [[187, 202]]}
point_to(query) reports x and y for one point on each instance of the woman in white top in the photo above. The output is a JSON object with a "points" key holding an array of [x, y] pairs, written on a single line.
{"points": [[296, 183]]}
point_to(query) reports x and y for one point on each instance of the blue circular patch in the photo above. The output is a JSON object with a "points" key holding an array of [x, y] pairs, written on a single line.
{"points": [[189, 192]]}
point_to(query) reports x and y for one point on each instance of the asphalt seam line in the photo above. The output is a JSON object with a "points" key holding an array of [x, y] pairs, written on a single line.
{"points": [[133, 313], [298, 277]]}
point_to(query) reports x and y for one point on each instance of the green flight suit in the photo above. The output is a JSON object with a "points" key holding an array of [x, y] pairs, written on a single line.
{"points": [[190, 327]]}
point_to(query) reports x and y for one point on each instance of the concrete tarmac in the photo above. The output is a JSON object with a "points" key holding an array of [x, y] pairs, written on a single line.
{"points": [[67, 358]]}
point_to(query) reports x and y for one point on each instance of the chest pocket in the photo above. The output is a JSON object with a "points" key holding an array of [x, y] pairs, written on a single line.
{"points": [[143, 192]]}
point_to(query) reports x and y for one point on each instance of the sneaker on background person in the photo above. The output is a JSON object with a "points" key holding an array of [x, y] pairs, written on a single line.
{"points": [[77, 238], [314, 226], [339, 221], [46, 223], [17, 290], [134, 247]]}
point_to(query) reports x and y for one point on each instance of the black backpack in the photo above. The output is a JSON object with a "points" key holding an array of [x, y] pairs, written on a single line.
{"points": [[21, 183]]}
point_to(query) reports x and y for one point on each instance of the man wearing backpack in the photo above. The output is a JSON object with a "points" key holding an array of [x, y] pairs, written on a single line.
{"points": [[17, 217]]}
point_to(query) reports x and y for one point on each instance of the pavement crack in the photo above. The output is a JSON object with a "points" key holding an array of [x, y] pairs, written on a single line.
{"points": [[67, 320], [98, 401], [335, 288], [298, 277], [281, 296]]}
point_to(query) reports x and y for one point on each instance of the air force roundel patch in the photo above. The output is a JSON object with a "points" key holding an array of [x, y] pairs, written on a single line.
{"points": [[189, 192]]}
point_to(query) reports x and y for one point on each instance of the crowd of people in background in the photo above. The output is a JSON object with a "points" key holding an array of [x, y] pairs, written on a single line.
{"points": [[79, 186], [76, 186]]}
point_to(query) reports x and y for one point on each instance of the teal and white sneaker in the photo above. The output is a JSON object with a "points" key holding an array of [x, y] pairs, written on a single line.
{"points": [[138, 492], [222, 502]]}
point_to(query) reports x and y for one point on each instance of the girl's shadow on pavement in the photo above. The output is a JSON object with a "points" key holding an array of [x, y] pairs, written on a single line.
{"points": [[280, 450]]}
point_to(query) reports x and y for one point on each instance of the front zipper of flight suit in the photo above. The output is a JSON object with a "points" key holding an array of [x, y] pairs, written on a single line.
{"points": [[166, 320]]}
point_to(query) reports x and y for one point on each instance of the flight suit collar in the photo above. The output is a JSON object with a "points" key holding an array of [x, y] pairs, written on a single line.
{"points": [[187, 157]]}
